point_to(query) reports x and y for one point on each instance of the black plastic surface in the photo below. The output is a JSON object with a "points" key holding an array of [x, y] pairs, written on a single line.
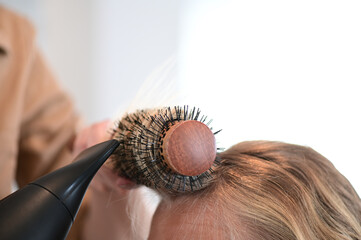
{"points": [[46, 208], [43, 218], [70, 182]]}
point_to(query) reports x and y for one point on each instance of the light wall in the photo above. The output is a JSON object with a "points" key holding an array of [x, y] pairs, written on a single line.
{"points": [[102, 51]]}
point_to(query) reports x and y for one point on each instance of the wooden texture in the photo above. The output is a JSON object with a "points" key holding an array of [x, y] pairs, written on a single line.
{"points": [[189, 148]]}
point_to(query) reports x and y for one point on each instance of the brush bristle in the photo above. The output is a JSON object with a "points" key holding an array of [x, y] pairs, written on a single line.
{"points": [[139, 156]]}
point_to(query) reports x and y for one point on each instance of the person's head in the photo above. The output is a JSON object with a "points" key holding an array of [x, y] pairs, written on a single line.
{"points": [[265, 190]]}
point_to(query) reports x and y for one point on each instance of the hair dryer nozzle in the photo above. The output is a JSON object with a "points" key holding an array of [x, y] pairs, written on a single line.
{"points": [[70, 182]]}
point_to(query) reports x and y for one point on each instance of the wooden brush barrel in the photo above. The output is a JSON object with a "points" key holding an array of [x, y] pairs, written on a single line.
{"points": [[170, 150]]}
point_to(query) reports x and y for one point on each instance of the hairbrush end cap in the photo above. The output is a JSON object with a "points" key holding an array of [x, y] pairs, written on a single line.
{"points": [[189, 148]]}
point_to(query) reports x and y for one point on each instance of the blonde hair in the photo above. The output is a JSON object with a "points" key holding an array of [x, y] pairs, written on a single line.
{"points": [[273, 190]]}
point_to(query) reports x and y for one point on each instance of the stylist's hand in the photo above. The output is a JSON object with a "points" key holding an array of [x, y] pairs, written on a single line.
{"points": [[108, 195], [91, 135], [105, 180]]}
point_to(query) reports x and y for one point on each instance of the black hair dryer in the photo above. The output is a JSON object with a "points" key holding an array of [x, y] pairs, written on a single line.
{"points": [[46, 208]]}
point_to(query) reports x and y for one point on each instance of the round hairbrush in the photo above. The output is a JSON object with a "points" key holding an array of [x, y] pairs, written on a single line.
{"points": [[172, 150]]}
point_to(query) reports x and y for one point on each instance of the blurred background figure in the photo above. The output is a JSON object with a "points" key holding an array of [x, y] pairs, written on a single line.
{"points": [[262, 70]]}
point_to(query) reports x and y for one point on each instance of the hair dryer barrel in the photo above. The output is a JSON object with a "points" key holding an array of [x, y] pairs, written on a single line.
{"points": [[46, 208]]}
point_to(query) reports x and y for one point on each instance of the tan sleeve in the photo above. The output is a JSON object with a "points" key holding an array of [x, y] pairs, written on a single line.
{"points": [[47, 131], [48, 125], [38, 121]]}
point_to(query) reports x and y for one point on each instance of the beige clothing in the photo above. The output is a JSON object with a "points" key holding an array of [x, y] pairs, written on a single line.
{"points": [[37, 119]]}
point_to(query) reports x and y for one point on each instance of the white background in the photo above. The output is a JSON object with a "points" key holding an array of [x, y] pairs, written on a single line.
{"points": [[274, 70]]}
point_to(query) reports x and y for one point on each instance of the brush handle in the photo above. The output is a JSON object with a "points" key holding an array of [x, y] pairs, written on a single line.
{"points": [[189, 148]]}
